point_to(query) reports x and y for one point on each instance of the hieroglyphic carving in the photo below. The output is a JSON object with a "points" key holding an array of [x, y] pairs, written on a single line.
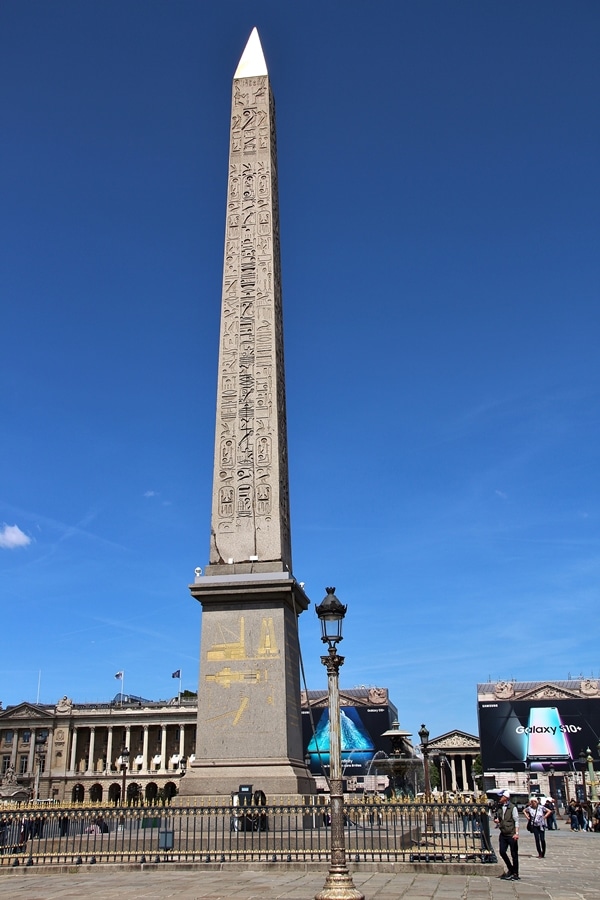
{"points": [[250, 490]]}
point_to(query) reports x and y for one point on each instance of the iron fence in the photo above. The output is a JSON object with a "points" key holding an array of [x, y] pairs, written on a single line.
{"points": [[404, 832]]}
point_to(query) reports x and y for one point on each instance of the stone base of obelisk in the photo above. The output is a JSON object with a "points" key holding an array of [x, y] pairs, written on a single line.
{"points": [[280, 782], [249, 727]]}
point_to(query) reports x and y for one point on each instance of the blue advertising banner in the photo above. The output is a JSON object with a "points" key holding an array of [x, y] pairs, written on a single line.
{"points": [[361, 729]]}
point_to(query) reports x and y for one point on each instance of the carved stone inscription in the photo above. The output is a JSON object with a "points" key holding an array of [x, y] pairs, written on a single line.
{"points": [[250, 490]]}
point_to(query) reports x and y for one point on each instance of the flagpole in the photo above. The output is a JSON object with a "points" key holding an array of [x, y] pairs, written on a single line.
{"points": [[179, 698]]}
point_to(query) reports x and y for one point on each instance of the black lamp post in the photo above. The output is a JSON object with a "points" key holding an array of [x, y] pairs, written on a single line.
{"points": [[590, 767], [124, 762], [338, 884], [40, 740], [583, 764], [551, 782], [424, 735]]}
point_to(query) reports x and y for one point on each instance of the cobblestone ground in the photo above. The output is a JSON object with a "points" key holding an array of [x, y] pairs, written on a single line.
{"points": [[570, 871]]}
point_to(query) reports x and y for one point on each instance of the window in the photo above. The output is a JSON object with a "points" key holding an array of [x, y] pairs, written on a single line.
{"points": [[26, 736], [23, 760], [8, 737], [5, 764], [41, 761]]}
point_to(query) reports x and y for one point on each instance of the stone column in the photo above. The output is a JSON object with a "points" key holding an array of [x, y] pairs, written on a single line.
{"points": [[109, 750], [13, 749], [163, 749], [73, 750], [181, 742], [90, 759], [145, 750], [31, 760], [453, 770], [49, 748], [465, 780]]}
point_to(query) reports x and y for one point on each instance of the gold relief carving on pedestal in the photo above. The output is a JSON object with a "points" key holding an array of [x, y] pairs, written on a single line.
{"points": [[234, 714], [229, 649], [226, 677], [233, 646], [267, 643]]}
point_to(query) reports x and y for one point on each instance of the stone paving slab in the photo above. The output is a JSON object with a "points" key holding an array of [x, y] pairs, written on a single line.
{"points": [[571, 871]]}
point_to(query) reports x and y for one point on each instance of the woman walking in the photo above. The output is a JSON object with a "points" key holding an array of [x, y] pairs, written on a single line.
{"points": [[537, 817]]}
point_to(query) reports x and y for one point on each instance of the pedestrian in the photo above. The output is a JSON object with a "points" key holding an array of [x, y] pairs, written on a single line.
{"points": [[537, 818], [572, 814], [507, 820], [551, 821]]}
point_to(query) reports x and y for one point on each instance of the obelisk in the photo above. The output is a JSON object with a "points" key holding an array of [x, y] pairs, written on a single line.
{"points": [[249, 729]]}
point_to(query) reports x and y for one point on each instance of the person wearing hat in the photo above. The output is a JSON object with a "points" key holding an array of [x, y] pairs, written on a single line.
{"points": [[507, 820]]}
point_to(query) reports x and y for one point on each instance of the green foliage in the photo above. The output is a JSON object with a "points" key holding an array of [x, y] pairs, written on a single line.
{"points": [[434, 776], [477, 766]]}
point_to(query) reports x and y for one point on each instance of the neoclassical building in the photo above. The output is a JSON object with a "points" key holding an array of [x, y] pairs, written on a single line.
{"points": [[73, 751], [454, 753]]}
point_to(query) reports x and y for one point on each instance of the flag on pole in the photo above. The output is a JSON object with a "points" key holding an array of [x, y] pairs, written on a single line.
{"points": [[176, 674], [119, 676]]}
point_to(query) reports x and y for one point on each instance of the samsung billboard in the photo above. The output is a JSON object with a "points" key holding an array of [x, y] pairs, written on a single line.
{"points": [[361, 728], [535, 734]]}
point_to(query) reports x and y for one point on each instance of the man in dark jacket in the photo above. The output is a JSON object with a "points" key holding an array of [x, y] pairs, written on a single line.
{"points": [[507, 820]]}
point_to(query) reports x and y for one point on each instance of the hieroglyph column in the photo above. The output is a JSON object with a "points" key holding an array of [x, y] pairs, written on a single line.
{"points": [[250, 512]]}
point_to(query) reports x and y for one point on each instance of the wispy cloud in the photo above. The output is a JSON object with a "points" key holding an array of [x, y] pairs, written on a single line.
{"points": [[12, 537], [150, 493]]}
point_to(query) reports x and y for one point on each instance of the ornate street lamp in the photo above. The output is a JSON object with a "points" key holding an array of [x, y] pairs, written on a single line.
{"points": [[424, 735], [338, 884], [40, 740], [591, 773], [583, 764], [124, 762]]}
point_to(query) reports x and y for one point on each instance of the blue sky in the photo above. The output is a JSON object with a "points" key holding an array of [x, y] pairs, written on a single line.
{"points": [[439, 192]]}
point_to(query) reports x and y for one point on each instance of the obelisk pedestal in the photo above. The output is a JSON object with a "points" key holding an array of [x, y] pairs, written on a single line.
{"points": [[249, 717]]}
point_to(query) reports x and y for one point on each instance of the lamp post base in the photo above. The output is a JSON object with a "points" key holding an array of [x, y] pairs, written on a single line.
{"points": [[339, 886]]}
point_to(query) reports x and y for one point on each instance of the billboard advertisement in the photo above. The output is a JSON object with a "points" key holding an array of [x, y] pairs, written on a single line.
{"points": [[361, 729], [534, 734]]}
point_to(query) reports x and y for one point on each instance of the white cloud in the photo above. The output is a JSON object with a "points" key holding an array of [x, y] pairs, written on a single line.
{"points": [[150, 493], [11, 537], [501, 494]]}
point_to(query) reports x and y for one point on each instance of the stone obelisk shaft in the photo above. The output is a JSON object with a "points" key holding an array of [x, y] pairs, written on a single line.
{"points": [[250, 513], [249, 727]]}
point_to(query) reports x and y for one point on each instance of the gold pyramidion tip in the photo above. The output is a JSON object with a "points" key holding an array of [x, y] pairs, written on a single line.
{"points": [[252, 62]]}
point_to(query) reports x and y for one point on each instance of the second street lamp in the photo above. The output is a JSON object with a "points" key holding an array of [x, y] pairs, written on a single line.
{"points": [[424, 735], [338, 883]]}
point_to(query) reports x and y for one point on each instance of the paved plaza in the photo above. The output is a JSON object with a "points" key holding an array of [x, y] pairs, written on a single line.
{"points": [[571, 871]]}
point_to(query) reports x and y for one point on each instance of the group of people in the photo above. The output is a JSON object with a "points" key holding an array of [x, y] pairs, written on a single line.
{"points": [[583, 816], [540, 818]]}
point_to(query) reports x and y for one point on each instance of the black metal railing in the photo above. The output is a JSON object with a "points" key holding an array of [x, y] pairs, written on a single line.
{"points": [[410, 832]]}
